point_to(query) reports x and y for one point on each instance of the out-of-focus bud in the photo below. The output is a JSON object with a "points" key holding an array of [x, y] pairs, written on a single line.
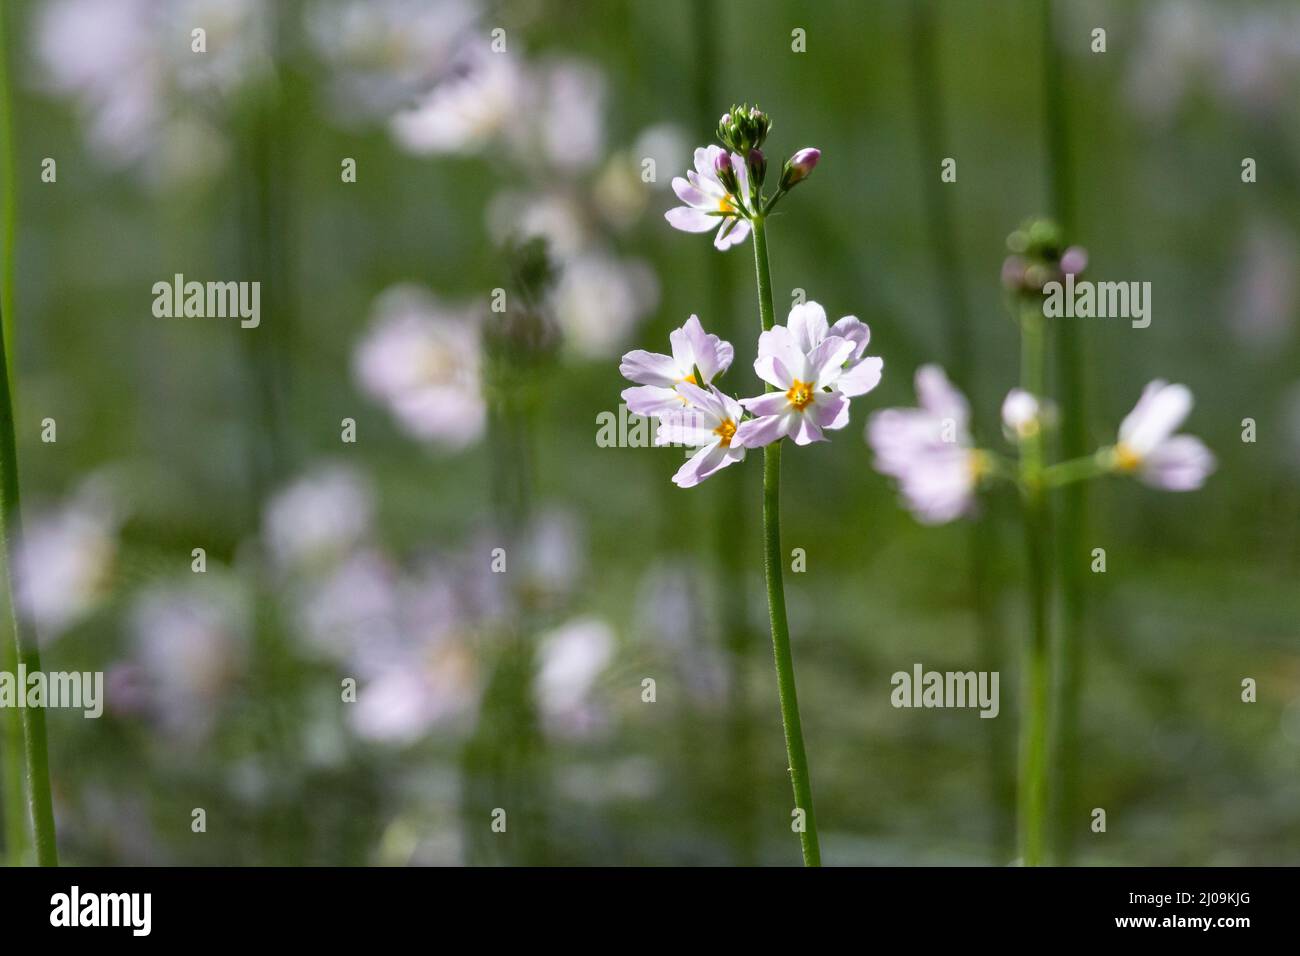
{"points": [[757, 164], [1074, 260], [726, 172], [1013, 272], [799, 166], [1039, 256], [744, 128]]}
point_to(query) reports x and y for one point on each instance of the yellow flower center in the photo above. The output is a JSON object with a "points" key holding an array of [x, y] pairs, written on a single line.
{"points": [[1126, 459], [800, 394], [725, 205], [725, 431], [690, 380]]}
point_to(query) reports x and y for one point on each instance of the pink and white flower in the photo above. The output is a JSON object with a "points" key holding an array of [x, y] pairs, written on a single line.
{"points": [[928, 449], [709, 204], [807, 323], [815, 370], [1149, 448], [658, 375], [709, 421]]}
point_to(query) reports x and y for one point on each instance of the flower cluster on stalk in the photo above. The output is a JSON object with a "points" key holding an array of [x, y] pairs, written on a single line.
{"points": [[929, 450], [812, 369], [725, 190]]}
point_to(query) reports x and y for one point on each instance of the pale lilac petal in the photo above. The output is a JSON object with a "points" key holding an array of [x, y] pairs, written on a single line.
{"points": [[807, 324], [773, 371], [771, 403], [689, 194], [830, 410], [651, 400], [707, 400], [1156, 416], [855, 330], [649, 368], [686, 426], [778, 342], [712, 355], [1181, 463], [742, 176], [862, 377], [690, 220], [938, 396], [739, 233], [757, 432], [707, 461], [826, 361], [940, 487], [679, 344], [731, 406], [704, 162], [805, 431]]}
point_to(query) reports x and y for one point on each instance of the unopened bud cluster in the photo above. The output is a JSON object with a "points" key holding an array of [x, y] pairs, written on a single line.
{"points": [[1038, 255]]}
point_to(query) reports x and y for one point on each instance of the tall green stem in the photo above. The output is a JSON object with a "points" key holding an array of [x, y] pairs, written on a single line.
{"points": [[1074, 443], [11, 743], [772, 558], [1036, 671], [26, 653]]}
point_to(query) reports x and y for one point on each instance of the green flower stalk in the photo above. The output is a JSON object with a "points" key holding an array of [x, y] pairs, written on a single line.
{"points": [[930, 452], [772, 557], [25, 650], [811, 369]]}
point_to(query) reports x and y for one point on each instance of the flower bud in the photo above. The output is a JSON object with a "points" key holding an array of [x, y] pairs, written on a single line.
{"points": [[798, 166], [744, 128], [757, 164], [726, 172]]}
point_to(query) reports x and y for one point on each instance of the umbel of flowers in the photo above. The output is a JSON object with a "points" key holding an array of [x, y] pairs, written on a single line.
{"points": [[929, 451], [812, 371]]}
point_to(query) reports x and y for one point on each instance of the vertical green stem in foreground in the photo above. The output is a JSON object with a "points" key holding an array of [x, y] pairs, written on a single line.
{"points": [[1074, 440], [1036, 669], [812, 854], [11, 729], [26, 653]]}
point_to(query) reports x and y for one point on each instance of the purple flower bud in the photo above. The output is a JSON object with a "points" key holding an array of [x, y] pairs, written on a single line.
{"points": [[798, 166], [806, 160], [1074, 260], [726, 172]]}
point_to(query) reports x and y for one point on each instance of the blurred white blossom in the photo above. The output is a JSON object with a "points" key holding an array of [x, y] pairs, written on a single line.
{"points": [[571, 659], [147, 99], [191, 644], [421, 360], [600, 299], [320, 517], [64, 560], [383, 54]]}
